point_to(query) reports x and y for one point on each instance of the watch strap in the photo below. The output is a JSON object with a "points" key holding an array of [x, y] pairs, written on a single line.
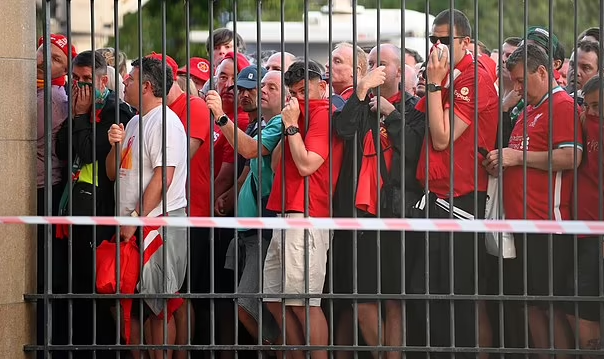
{"points": [[433, 87]]}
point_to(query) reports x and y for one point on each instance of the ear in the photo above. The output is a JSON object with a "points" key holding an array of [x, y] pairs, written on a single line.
{"points": [[543, 73], [465, 43], [322, 85]]}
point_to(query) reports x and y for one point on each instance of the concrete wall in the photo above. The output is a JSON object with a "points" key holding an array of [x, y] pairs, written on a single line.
{"points": [[17, 175]]}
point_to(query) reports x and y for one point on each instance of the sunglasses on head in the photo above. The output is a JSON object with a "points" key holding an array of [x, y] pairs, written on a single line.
{"points": [[445, 40], [299, 73]]}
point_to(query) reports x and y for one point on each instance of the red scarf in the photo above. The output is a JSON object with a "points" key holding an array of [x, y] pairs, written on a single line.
{"points": [[313, 105], [439, 166], [59, 81], [367, 188]]}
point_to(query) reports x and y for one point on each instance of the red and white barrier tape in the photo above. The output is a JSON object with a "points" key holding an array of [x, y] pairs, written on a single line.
{"points": [[420, 225]]}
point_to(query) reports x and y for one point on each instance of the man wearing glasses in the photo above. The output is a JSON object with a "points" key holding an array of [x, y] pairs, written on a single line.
{"points": [[456, 198], [307, 148]]}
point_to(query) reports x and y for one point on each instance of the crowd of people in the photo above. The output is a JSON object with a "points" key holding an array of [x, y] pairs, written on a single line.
{"points": [[274, 134]]}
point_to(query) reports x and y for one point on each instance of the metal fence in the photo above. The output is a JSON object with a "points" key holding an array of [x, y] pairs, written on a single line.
{"points": [[413, 268]]}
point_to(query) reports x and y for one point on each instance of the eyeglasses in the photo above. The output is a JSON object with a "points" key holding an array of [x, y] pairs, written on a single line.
{"points": [[445, 40], [299, 74]]}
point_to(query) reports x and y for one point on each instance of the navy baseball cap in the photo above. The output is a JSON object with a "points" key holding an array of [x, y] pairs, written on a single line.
{"points": [[248, 77]]}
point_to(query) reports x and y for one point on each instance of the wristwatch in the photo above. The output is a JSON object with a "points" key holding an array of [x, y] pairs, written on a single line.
{"points": [[291, 130], [222, 120], [134, 214], [433, 88]]}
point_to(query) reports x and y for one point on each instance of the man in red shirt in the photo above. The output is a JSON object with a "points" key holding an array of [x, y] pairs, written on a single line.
{"points": [[197, 127], [224, 192], [308, 156], [589, 193], [378, 127], [341, 70], [455, 122], [224, 153], [566, 143], [199, 71]]}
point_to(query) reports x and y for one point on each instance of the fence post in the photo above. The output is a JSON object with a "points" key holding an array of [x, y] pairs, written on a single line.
{"points": [[18, 175]]}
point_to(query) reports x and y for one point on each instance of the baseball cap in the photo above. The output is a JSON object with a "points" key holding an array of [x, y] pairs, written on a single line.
{"points": [[248, 77], [200, 68], [540, 36], [169, 62], [60, 41], [242, 61]]}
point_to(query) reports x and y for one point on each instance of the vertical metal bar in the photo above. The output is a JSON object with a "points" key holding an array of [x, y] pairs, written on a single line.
{"points": [[550, 188], [188, 185], [283, 169], [500, 274], [212, 176], [427, 190], [475, 204], [236, 160], [94, 157], [118, 150], [48, 242], [524, 180], [378, 154], [306, 187], [69, 180], [259, 205], [575, 187], [403, 239], [452, 175], [355, 150], [141, 127], [164, 172]]}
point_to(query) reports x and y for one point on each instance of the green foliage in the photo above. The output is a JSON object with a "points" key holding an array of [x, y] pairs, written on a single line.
{"points": [[293, 10]]}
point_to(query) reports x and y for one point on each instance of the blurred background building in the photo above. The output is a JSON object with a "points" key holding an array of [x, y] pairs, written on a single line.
{"points": [[81, 29]]}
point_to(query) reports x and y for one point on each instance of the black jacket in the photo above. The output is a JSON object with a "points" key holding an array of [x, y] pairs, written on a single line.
{"points": [[356, 118], [84, 145]]}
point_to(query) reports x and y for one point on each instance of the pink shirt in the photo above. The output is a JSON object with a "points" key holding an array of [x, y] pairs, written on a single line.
{"points": [[59, 108]]}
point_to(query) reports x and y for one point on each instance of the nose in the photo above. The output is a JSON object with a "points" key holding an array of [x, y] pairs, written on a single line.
{"points": [[230, 83]]}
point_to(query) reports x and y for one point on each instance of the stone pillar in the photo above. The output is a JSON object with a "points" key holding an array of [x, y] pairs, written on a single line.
{"points": [[17, 175]]}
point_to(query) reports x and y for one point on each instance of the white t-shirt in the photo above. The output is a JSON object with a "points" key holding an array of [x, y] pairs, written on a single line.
{"points": [[176, 153]]}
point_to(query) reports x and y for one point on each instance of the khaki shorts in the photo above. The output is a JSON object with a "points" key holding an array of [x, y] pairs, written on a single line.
{"points": [[293, 258]]}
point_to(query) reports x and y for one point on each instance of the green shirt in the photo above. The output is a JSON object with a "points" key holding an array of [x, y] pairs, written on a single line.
{"points": [[247, 206]]}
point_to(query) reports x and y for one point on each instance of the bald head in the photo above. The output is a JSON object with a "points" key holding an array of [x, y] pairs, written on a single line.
{"points": [[390, 58], [388, 50], [410, 79], [274, 62], [271, 101]]}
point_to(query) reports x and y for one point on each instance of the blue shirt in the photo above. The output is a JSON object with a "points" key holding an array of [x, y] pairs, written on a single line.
{"points": [[247, 206]]}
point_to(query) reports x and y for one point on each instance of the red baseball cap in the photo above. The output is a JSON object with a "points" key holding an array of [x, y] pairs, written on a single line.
{"points": [[200, 69], [242, 61], [169, 62], [60, 41]]}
